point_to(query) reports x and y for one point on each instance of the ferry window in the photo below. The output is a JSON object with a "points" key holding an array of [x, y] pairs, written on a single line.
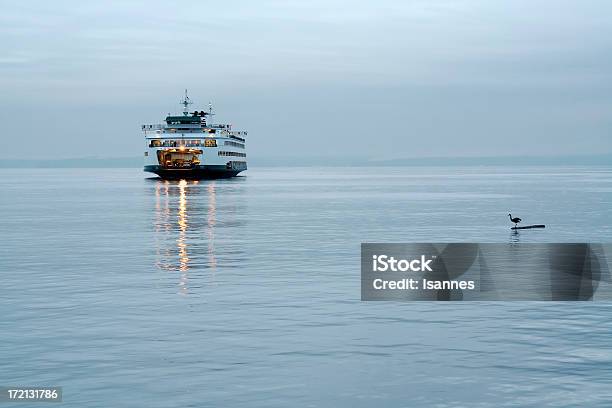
{"points": [[155, 143], [234, 154], [210, 143]]}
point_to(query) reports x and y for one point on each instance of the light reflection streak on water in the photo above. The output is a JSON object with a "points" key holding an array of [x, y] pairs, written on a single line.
{"points": [[181, 243], [211, 220], [162, 224]]}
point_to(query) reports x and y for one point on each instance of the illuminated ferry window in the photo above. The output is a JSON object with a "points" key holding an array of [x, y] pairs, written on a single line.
{"points": [[155, 143], [210, 143]]}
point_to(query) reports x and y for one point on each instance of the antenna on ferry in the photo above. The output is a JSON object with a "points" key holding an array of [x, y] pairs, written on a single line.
{"points": [[186, 102], [210, 111]]}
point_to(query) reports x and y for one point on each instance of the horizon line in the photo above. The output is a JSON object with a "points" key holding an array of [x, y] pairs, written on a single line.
{"points": [[136, 161]]}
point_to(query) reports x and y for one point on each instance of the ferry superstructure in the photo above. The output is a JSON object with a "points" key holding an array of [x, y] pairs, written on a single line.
{"points": [[192, 146]]}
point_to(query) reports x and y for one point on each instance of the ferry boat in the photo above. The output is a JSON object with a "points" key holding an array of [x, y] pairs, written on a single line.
{"points": [[191, 146]]}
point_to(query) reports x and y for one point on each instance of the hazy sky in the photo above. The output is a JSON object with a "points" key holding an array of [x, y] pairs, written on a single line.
{"points": [[377, 79]]}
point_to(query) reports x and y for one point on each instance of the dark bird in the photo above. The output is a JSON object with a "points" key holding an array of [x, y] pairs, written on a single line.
{"points": [[515, 220]]}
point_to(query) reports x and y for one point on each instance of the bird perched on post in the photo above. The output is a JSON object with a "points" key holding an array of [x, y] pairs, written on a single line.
{"points": [[515, 220]]}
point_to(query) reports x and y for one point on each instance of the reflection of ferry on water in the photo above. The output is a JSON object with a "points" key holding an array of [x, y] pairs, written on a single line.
{"points": [[191, 146], [187, 215]]}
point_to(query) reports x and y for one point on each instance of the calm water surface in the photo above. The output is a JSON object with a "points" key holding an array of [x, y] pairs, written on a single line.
{"points": [[130, 291]]}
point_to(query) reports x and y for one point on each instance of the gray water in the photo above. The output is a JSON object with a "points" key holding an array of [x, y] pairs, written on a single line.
{"points": [[130, 291]]}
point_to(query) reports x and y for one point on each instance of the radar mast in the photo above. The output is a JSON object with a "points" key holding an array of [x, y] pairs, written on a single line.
{"points": [[186, 102], [210, 112]]}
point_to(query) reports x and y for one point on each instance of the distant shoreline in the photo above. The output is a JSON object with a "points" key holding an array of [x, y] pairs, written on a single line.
{"points": [[136, 162]]}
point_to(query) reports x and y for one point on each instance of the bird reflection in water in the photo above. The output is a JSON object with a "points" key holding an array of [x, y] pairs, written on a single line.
{"points": [[515, 237], [178, 227]]}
